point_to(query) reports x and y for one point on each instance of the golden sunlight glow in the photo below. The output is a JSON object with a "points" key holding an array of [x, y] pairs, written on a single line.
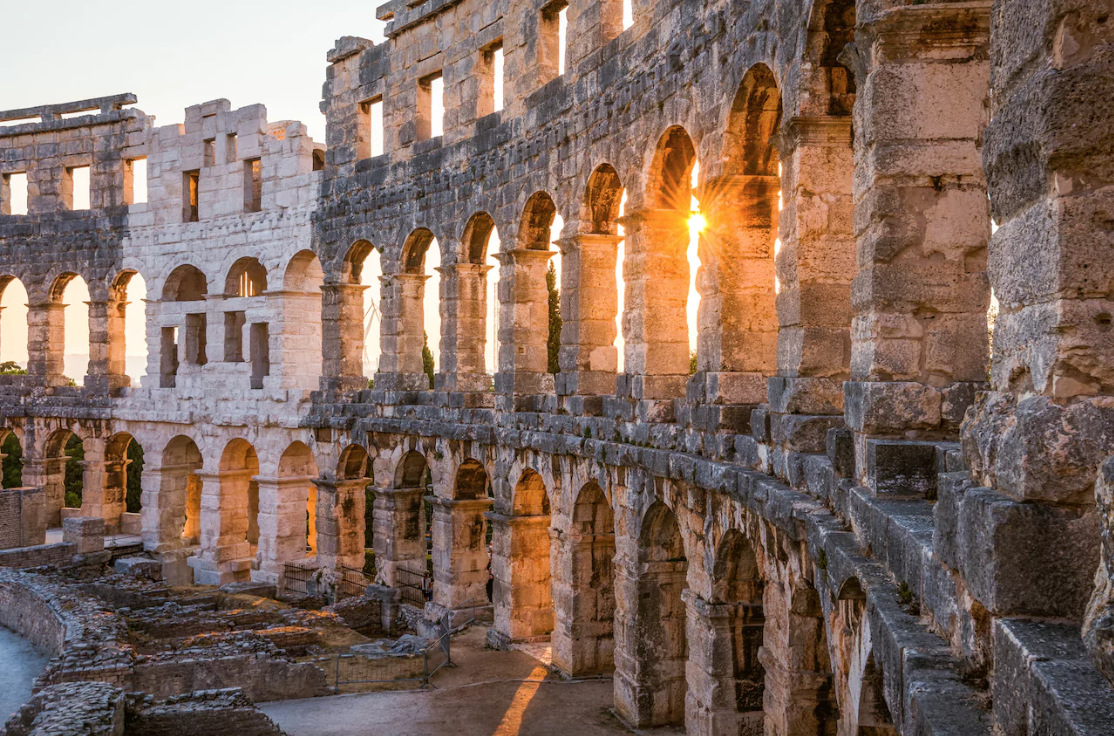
{"points": [[697, 223], [692, 308], [511, 725]]}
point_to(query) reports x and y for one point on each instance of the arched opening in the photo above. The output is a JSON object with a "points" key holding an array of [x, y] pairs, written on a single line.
{"points": [[657, 272], [62, 475], [123, 483], [529, 324], [874, 713], [404, 534], [127, 324], [173, 516], [239, 498], [354, 466], [72, 293], [476, 307], [521, 564], [661, 648], [12, 464], [417, 333], [738, 313], [362, 268], [246, 278], [185, 284], [13, 327], [461, 557], [738, 587], [290, 508], [301, 328], [584, 640]]}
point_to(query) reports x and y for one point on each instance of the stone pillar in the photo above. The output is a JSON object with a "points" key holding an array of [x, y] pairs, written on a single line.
{"points": [[725, 679], [107, 362], [649, 681], [919, 336], [104, 486], [460, 556], [584, 603], [401, 338], [342, 337], [340, 522], [225, 555], [524, 323], [464, 328], [815, 267], [399, 534], [589, 302], [282, 525], [656, 272], [46, 342], [48, 474], [167, 494], [520, 564], [1039, 441]]}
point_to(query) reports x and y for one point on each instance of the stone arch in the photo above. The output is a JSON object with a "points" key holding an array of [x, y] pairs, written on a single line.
{"points": [[246, 278], [522, 564], [353, 264], [239, 496], [303, 273], [461, 560], [535, 228], [476, 238], [61, 319], [353, 464], [584, 589], [401, 523], [602, 199], [11, 450], [414, 251], [62, 455], [300, 331], [14, 301], [123, 464], [660, 642], [351, 316], [874, 718], [172, 498], [186, 283], [288, 509], [471, 481], [412, 471], [406, 300]]}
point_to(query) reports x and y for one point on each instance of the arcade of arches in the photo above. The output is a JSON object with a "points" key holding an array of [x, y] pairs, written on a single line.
{"points": [[781, 478]]}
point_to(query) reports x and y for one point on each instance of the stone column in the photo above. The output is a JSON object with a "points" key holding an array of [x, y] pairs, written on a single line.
{"points": [[225, 555], [49, 474], [656, 272], [922, 221], [107, 363], [523, 323], [460, 556], [648, 691], [520, 564], [403, 309], [104, 486], [464, 328], [725, 679], [815, 268], [342, 336], [46, 342], [282, 525], [399, 533], [589, 302], [340, 522], [584, 603], [166, 501]]}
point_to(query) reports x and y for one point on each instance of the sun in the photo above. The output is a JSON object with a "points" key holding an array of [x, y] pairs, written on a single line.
{"points": [[697, 223]]}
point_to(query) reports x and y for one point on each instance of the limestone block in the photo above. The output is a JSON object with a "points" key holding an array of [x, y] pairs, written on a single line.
{"points": [[901, 468], [85, 533], [1098, 624]]}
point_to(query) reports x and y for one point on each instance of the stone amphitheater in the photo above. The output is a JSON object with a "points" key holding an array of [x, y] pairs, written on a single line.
{"points": [[857, 510]]}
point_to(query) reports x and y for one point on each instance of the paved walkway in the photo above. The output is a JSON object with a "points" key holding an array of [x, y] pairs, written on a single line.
{"points": [[488, 693], [20, 664]]}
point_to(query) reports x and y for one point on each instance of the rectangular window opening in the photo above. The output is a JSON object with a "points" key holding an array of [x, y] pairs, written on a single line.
{"points": [[552, 36], [369, 141], [260, 354], [79, 183], [491, 80], [210, 152], [196, 339], [190, 183], [168, 357], [253, 185], [13, 197], [234, 336], [431, 107], [628, 14], [135, 181]]}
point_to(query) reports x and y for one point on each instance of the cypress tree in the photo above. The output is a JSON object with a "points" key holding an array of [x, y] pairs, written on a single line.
{"points": [[427, 359], [554, 343]]}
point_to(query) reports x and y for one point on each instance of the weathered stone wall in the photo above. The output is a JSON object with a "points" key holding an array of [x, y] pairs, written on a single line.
{"points": [[841, 523]]}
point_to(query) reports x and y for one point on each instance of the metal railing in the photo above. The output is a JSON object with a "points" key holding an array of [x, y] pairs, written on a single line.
{"points": [[306, 578], [415, 588]]}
